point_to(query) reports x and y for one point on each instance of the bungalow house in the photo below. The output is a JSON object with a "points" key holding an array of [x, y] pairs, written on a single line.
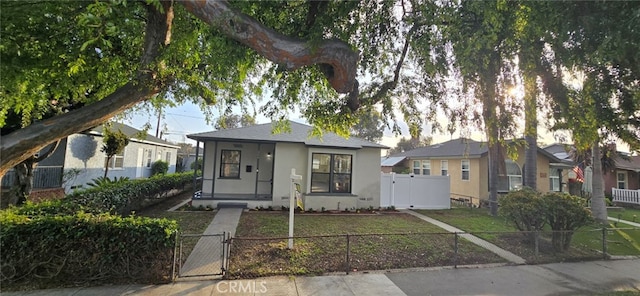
{"points": [[252, 165], [80, 153], [467, 163]]}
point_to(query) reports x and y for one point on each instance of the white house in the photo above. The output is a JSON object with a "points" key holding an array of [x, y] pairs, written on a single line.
{"points": [[252, 165], [83, 153]]}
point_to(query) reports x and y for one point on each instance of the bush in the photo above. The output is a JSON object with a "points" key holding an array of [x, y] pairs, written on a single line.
{"points": [[159, 168], [83, 248], [530, 211], [565, 213], [130, 195], [106, 181], [525, 209]]}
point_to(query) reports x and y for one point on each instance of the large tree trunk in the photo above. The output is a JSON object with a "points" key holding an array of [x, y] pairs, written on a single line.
{"points": [[24, 175], [340, 61], [598, 206], [530, 132]]}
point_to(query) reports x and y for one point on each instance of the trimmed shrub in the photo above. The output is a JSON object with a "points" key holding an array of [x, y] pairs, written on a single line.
{"points": [[159, 167], [83, 248], [129, 195], [565, 213], [525, 209]]}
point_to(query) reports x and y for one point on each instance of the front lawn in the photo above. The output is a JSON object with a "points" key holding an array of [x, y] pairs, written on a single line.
{"points": [[586, 243], [628, 214], [375, 242]]}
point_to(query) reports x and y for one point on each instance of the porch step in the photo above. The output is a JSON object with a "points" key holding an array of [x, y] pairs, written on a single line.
{"points": [[242, 205]]}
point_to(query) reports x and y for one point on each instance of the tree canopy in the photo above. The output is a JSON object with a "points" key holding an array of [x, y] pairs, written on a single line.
{"points": [[71, 65]]}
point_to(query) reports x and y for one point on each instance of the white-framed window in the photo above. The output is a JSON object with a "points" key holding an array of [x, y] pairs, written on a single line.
{"points": [[465, 169], [444, 167], [554, 179], [513, 179], [331, 173], [230, 164], [622, 180], [167, 157], [116, 162], [416, 167], [426, 167], [149, 154]]}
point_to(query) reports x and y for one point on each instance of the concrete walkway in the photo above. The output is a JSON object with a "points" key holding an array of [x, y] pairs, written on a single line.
{"points": [[206, 257], [577, 278], [624, 221], [511, 257]]}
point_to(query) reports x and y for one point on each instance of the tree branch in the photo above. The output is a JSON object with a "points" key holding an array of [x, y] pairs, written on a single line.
{"points": [[25, 142], [290, 52]]}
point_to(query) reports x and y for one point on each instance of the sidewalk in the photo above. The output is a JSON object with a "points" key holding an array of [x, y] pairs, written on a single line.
{"points": [[580, 278], [511, 257], [624, 221], [206, 256]]}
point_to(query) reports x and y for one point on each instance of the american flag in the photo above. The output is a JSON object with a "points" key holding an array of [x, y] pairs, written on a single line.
{"points": [[579, 174]]}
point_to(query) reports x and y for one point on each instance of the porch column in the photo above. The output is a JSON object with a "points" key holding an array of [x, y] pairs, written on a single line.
{"points": [[215, 157], [195, 169]]}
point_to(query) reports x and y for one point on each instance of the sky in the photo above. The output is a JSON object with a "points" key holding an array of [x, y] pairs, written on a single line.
{"points": [[189, 119]]}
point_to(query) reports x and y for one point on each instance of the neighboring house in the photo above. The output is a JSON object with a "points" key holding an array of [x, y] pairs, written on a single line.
{"points": [[83, 154], [466, 162], [625, 175], [253, 165]]}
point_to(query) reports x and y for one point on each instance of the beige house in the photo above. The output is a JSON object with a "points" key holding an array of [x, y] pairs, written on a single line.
{"points": [[466, 162], [251, 167]]}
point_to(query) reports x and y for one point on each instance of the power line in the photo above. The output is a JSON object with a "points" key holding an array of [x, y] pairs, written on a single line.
{"points": [[195, 117]]}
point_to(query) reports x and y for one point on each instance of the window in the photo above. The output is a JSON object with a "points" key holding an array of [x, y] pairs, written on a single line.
{"points": [[464, 167], [622, 180], [167, 157], [426, 167], [331, 173], [148, 163], [554, 179], [444, 167], [513, 179], [416, 167], [230, 164], [116, 162]]}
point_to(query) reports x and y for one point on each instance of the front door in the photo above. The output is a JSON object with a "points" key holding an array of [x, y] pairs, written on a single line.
{"points": [[140, 163]]}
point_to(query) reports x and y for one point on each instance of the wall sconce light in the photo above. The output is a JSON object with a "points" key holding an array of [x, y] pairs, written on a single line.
{"points": [[268, 154]]}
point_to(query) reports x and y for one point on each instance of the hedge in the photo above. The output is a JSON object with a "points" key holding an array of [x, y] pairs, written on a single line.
{"points": [[130, 195], [59, 250]]}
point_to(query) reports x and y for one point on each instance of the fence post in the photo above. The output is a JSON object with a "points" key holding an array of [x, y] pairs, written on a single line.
{"points": [[175, 258], [455, 249], [604, 242], [536, 239], [348, 265]]}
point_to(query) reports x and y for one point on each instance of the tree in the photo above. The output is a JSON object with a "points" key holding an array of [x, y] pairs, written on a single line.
{"points": [[234, 121], [370, 125], [113, 143], [24, 174], [407, 144]]}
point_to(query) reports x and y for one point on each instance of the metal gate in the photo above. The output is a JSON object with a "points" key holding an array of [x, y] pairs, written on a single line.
{"points": [[202, 254]]}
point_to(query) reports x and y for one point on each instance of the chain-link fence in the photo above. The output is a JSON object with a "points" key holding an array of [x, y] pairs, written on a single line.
{"points": [[312, 255]]}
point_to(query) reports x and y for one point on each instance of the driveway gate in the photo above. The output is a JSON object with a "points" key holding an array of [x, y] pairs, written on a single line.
{"points": [[202, 254]]}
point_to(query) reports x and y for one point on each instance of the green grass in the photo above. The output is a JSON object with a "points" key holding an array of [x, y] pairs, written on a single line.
{"points": [[586, 242], [628, 214], [376, 242]]}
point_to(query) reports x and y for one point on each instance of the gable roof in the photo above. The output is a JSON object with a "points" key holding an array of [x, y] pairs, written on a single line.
{"points": [[299, 134], [461, 147], [391, 161], [455, 147], [132, 133], [631, 164]]}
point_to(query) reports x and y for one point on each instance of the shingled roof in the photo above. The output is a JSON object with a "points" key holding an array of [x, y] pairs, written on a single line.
{"points": [[132, 133], [300, 133]]}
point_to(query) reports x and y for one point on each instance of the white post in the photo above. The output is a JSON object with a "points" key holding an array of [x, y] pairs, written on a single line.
{"points": [[292, 204]]}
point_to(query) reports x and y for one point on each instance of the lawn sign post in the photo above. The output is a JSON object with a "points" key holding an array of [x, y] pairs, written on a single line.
{"points": [[293, 192]]}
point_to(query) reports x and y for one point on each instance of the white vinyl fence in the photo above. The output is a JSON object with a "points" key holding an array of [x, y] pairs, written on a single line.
{"points": [[415, 192], [625, 196]]}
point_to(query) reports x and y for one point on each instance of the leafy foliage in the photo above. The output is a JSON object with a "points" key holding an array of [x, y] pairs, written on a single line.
{"points": [[113, 143], [405, 145], [370, 125], [128, 195], [42, 248], [106, 181], [531, 211], [159, 167]]}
